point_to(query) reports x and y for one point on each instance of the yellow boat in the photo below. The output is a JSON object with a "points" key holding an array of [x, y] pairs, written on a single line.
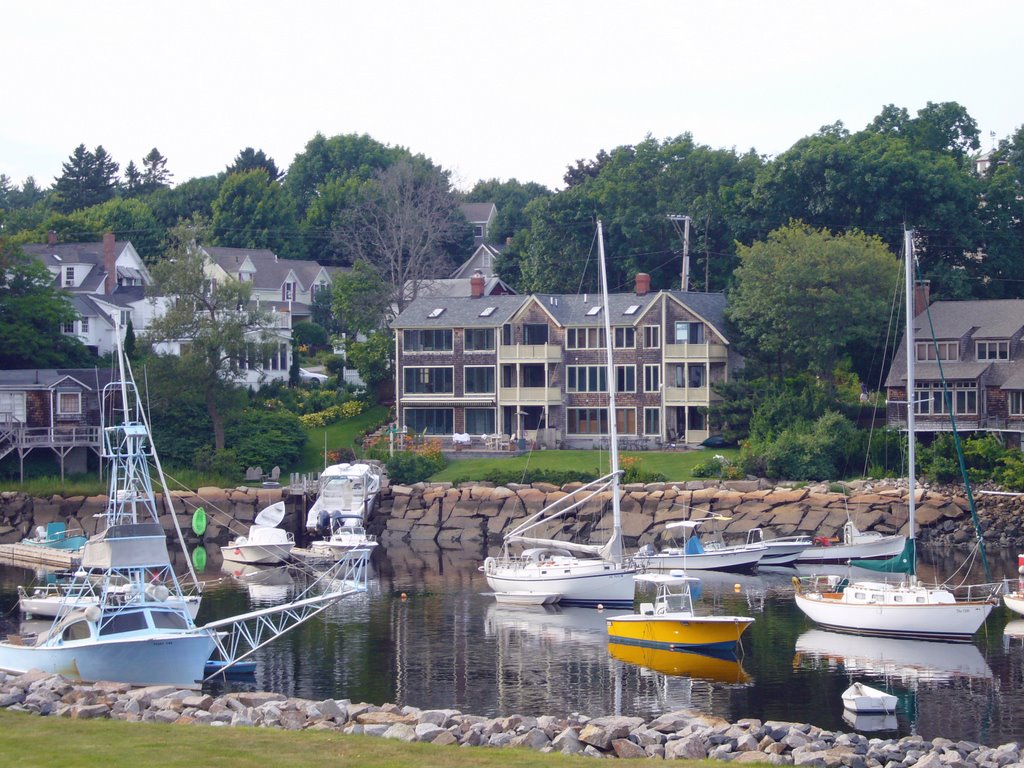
{"points": [[681, 663], [670, 622]]}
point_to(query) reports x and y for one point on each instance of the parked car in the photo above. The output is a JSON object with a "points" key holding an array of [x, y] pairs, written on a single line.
{"points": [[311, 377]]}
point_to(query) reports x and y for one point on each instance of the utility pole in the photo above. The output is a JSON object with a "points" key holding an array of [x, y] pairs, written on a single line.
{"points": [[675, 218]]}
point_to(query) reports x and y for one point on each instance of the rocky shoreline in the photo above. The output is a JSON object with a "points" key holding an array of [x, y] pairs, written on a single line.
{"points": [[683, 734]]}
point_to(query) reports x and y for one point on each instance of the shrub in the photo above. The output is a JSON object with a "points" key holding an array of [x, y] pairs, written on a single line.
{"points": [[718, 466], [407, 467], [332, 414], [223, 463], [633, 473], [266, 438]]}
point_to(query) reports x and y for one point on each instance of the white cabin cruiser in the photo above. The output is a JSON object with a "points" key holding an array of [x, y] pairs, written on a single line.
{"points": [[266, 543], [346, 490]]}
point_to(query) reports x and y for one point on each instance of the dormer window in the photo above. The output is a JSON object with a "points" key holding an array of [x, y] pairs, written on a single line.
{"points": [[993, 350], [69, 277], [288, 292], [929, 352]]}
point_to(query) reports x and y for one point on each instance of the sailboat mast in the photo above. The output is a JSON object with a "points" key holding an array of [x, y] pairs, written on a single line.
{"points": [[613, 434], [908, 248]]}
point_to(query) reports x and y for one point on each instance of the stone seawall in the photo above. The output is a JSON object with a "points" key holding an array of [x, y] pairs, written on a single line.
{"points": [[474, 516]]}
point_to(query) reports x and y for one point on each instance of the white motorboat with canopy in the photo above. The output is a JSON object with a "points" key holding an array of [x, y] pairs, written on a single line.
{"points": [[712, 555], [579, 573], [347, 493], [907, 608], [266, 542], [136, 627]]}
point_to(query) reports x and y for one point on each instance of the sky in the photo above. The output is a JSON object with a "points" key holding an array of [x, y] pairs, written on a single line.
{"points": [[485, 88]]}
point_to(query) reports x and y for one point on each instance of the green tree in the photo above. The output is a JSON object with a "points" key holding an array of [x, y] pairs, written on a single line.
{"points": [[130, 343], [804, 297], [131, 219], [250, 159], [360, 300], [87, 178], [253, 212], [32, 313], [132, 180], [155, 174], [192, 199], [372, 358], [511, 198], [218, 328]]}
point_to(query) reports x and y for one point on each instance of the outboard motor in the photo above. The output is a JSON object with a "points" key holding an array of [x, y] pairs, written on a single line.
{"points": [[323, 522]]}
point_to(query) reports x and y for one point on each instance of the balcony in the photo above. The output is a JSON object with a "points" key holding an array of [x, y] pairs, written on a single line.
{"points": [[690, 396], [534, 353], [530, 395], [697, 352]]}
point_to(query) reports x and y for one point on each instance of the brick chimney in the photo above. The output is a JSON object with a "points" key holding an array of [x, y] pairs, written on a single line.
{"points": [[476, 283], [922, 296], [109, 263], [51, 238], [643, 283]]}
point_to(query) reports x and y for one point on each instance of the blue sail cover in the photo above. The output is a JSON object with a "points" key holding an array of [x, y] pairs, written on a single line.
{"points": [[694, 547]]}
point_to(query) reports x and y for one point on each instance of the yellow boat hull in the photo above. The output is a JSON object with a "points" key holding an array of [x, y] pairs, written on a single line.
{"points": [[664, 631]]}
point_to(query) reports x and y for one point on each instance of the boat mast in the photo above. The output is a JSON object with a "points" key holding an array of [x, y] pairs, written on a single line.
{"points": [[908, 249], [613, 435]]}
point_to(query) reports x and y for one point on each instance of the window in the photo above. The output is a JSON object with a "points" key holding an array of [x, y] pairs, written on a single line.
{"points": [[689, 333], [480, 421], [695, 420], [168, 620], [625, 421], [652, 421], [584, 338], [533, 375], [631, 309], [433, 421], [85, 325], [69, 277], [288, 292], [593, 311], [1015, 401], [77, 631], [677, 375], [124, 622], [535, 333], [427, 340], [436, 312], [506, 334], [697, 375], [625, 338], [652, 336], [69, 403], [652, 378], [931, 400], [478, 230], [993, 350], [625, 378], [479, 340], [587, 421], [13, 404], [508, 375], [487, 311], [947, 350], [479, 379], [429, 381], [126, 315], [586, 378], [67, 327]]}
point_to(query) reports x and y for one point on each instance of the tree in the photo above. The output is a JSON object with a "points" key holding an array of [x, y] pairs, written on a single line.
{"points": [[372, 358], [131, 219], [360, 300], [155, 174], [253, 212], [217, 327], [511, 198], [32, 315], [132, 179], [130, 343], [408, 227], [250, 159], [88, 178], [804, 297], [192, 199]]}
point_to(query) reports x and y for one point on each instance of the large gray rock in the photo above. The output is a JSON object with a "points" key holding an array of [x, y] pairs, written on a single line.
{"points": [[690, 747]]}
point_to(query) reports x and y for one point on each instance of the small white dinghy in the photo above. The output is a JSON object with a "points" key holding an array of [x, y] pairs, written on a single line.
{"points": [[266, 543], [527, 598], [863, 699]]}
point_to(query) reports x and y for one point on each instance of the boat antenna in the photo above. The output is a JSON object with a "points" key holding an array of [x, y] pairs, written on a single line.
{"points": [[615, 552]]}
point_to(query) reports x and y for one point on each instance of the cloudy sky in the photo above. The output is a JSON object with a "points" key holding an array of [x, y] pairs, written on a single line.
{"points": [[487, 89]]}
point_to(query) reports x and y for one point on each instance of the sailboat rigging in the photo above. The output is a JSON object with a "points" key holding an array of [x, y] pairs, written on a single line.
{"points": [[906, 609], [581, 574]]}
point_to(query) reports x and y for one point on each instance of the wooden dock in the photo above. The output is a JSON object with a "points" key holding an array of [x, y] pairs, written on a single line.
{"points": [[30, 556]]}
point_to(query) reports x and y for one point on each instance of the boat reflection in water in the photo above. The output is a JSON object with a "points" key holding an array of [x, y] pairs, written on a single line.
{"points": [[718, 668], [870, 723], [266, 585]]}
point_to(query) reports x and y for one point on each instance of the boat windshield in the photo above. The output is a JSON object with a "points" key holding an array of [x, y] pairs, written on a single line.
{"points": [[676, 602], [168, 620], [128, 621]]}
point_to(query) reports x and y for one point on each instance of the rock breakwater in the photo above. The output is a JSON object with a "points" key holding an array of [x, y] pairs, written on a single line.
{"points": [[688, 734]]}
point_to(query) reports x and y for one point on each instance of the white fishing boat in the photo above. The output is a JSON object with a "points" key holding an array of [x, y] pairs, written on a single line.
{"points": [[265, 544], [142, 633], [784, 550], [45, 601], [583, 574], [55, 535], [347, 491], [907, 608], [855, 545], [711, 555], [862, 699]]}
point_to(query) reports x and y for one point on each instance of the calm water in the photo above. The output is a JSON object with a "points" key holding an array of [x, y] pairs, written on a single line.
{"points": [[449, 645]]}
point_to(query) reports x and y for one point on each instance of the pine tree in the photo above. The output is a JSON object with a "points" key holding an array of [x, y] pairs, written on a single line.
{"points": [[132, 180], [129, 340], [155, 174]]}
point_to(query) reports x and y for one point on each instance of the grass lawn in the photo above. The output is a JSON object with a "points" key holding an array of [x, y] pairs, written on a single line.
{"points": [[675, 465], [31, 741], [340, 434]]}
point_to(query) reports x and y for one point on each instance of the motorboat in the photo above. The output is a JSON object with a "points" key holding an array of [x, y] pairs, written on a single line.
{"points": [[582, 573], [346, 534], [265, 544], [55, 535], [907, 608], [711, 555], [45, 601], [345, 490], [784, 550], [862, 699], [854, 545], [670, 622], [1014, 600]]}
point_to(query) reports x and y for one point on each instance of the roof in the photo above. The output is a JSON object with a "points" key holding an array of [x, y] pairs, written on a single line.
{"points": [[709, 306], [68, 254], [460, 287], [987, 319], [458, 314], [578, 309], [47, 378], [271, 271], [477, 212]]}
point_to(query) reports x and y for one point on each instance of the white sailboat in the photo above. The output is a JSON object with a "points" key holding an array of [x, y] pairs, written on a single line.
{"points": [[580, 574], [906, 609]]}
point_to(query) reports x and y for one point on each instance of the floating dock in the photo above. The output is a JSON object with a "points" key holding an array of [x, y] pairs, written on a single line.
{"points": [[31, 556]]}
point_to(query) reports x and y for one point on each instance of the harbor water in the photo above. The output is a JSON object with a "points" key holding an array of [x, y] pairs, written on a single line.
{"points": [[427, 634]]}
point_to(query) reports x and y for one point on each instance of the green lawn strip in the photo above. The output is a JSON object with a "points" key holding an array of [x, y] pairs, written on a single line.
{"points": [[31, 741], [340, 434], [677, 466]]}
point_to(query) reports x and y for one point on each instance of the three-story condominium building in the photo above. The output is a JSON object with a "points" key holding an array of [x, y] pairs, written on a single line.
{"points": [[533, 366]]}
